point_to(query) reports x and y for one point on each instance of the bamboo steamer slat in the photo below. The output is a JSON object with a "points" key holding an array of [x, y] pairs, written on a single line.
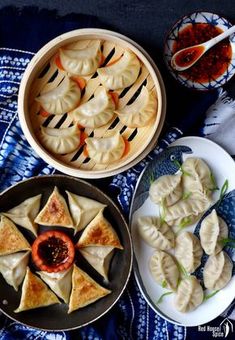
{"points": [[42, 73]]}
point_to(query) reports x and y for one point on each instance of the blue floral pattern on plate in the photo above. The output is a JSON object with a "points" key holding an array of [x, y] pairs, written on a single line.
{"points": [[199, 17]]}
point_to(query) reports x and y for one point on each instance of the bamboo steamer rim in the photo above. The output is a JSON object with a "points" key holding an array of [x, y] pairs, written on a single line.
{"points": [[44, 54]]}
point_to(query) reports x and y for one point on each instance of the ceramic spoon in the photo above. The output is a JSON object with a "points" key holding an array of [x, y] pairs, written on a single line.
{"points": [[188, 56]]}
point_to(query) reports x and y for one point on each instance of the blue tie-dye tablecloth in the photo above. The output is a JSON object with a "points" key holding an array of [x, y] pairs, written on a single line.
{"points": [[131, 317]]}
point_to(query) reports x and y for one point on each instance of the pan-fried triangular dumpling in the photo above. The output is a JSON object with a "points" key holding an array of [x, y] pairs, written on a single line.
{"points": [[84, 290], [99, 258], [25, 213], [11, 239], [83, 210], [60, 282], [99, 232], [55, 212], [13, 268], [35, 293]]}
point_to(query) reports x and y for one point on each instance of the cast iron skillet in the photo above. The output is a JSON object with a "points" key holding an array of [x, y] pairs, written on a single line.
{"points": [[55, 317]]}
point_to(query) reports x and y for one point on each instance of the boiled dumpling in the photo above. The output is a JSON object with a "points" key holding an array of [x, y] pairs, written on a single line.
{"points": [[107, 149], [65, 97], [83, 210], [83, 61], [189, 295], [217, 271], [60, 282], [166, 189], [13, 268], [213, 230], [197, 176], [97, 111], [141, 111], [35, 293], [55, 212], [99, 232], [84, 290], [187, 211], [188, 251], [156, 234], [11, 239], [25, 213], [62, 140], [99, 258], [164, 269], [122, 73]]}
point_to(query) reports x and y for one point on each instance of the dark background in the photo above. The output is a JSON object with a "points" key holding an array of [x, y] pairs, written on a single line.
{"points": [[146, 22]]}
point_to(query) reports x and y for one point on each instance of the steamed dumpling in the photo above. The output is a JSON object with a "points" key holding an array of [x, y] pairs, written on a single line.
{"points": [[55, 212], [166, 189], [83, 61], [158, 235], [141, 111], [122, 73], [189, 295], [25, 213], [97, 111], [83, 210], [62, 140], [213, 230], [187, 211], [188, 251], [164, 269], [65, 97], [13, 268], [217, 271], [60, 282], [107, 149]]}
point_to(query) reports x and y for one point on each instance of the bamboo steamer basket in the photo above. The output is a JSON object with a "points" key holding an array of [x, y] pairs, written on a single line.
{"points": [[42, 71]]}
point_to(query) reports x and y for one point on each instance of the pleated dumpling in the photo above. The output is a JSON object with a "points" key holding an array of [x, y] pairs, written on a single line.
{"points": [[97, 111], [164, 269], [85, 290], [156, 234], [197, 177], [189, 295], [11, 239], [55, 212], [65, 97], [25, 213], [62, 140], [213, 230], [60, 282], [99, 232], [120, 74], [166, 189], [217, 271], [35, 293], [13, 267], [107, 149], [188, 251], [187, 211], [141, 111], [81, 61], [99, 258], [83, 210]]}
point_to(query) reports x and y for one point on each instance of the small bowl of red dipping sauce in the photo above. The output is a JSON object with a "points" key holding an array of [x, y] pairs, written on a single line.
{"points": [[217, 65]]}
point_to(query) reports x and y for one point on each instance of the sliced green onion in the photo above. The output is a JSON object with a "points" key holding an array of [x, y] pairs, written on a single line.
{"points": [[207, 297], [186, 195], [227, 241], [164, 284], [162, 297]]}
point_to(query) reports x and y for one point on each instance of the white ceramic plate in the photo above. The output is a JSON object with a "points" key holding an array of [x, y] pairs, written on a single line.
{"points": [[223, 167]]}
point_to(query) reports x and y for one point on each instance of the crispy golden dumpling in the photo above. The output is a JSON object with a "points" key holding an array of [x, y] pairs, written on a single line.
{"points": [[11, 239], [99, 232], [55, 212], [84, 290], [35, 293]]}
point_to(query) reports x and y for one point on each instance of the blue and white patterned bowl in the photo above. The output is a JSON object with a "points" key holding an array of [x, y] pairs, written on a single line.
{"points": [[199, 17]]}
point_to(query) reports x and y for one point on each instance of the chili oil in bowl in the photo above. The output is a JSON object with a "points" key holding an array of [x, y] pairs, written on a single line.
{"points": [[217, 65]]}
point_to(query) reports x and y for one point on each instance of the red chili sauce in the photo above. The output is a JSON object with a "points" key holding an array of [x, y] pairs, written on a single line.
{"points": [[214, 62]]}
